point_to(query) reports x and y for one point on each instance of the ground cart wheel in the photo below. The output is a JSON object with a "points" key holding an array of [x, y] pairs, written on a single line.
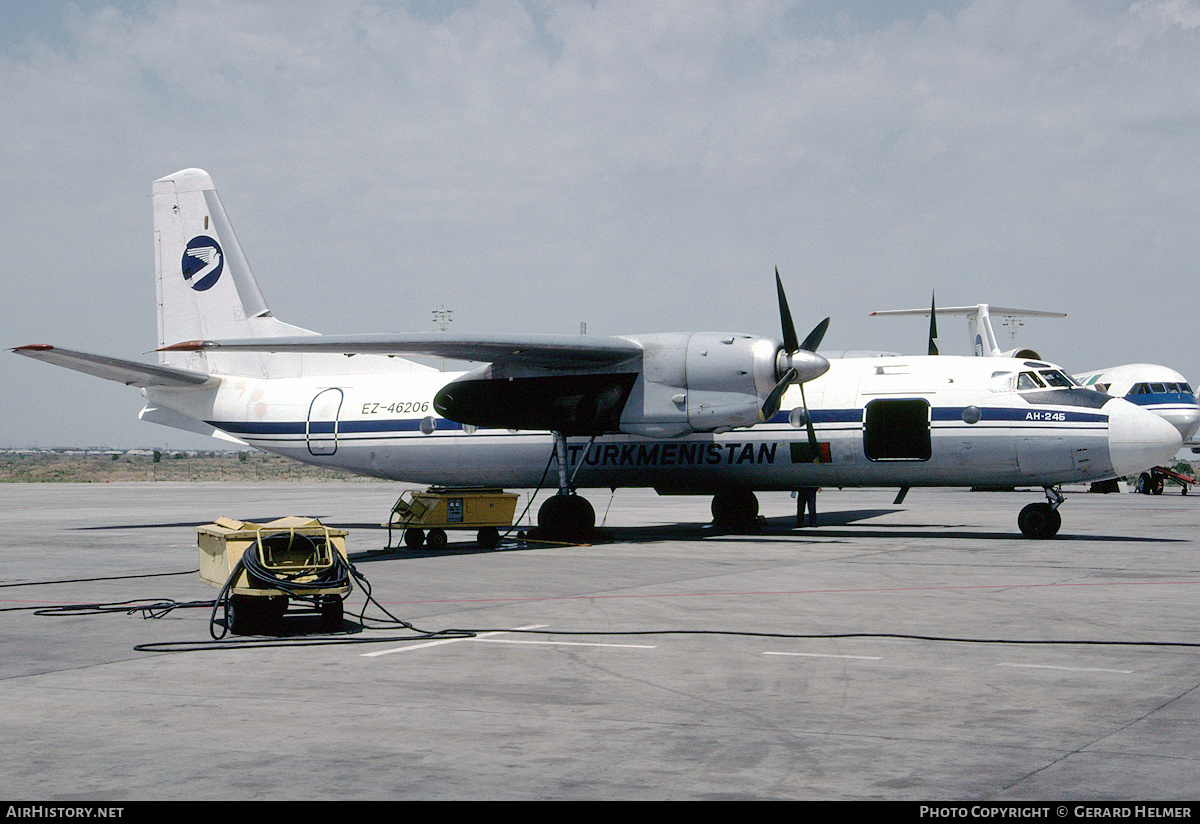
{"points": [[331, 613], [243, 614]]}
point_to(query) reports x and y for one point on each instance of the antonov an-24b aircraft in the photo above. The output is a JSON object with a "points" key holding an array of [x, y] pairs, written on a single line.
{"points": [[715, 413]]}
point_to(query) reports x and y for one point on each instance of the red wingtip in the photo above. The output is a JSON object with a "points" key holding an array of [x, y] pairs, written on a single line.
{"points": [[188, 346]]}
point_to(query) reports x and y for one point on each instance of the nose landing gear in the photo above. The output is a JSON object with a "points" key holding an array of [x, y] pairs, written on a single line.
{"points": [[1042, 520]]}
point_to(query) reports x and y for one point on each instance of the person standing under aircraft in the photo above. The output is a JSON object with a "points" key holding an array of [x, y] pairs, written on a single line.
{"points": [[806, 499]]}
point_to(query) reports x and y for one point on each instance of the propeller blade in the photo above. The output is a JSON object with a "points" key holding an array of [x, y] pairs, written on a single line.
{"points": [[933, 350], [813, 446], [785, 316], [815, 336], [771, 404]]}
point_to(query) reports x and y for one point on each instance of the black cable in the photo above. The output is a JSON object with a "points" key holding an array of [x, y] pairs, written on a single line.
{"points": [[540, 485], [149, 607], [342, 572], [334, 576], [101, 578], [172, 646], [831, 635]]}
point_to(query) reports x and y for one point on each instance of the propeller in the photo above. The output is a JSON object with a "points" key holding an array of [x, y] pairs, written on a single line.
{"points": [[796, 364], [933, 350]]}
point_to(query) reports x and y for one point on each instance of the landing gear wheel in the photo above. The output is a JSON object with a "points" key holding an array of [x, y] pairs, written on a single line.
{"points": [[414, 538], [436, 539], [1039, 521], [1144, 483], [566, 517], [487, 537], [734, 509], [331, 613]]}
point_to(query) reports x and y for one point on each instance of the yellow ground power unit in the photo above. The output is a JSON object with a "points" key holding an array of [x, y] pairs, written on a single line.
{"points": [[425, 516], [261, 567]]}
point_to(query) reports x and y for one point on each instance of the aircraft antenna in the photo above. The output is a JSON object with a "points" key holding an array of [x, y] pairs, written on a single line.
{"points": [[441, 317], [1013, 323]]}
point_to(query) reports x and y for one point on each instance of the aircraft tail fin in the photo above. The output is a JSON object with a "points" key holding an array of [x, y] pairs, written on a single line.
{"points": [[979, 326], [205, 286]]}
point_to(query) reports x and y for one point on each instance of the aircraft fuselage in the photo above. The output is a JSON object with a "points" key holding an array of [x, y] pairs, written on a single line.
{"points": [[896, 421]]}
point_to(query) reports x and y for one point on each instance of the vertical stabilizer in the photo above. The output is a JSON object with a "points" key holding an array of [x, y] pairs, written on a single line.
{"points": [[205, 287]]}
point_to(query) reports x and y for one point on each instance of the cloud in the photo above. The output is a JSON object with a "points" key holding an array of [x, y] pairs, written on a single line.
{"points": [[635, 166]]}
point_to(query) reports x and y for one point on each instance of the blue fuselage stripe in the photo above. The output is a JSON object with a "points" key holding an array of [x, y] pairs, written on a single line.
{"points": [[1033, 416]]}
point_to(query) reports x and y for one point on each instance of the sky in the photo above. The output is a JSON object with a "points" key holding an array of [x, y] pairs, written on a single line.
{"points": [[533, 165]]}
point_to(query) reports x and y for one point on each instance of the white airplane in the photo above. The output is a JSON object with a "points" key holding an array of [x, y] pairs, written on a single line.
{"points": [[1163, 391], [1156, 388], [724, 414]]}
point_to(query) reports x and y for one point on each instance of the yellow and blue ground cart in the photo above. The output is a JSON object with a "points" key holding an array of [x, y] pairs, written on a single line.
{"points": [[426, 515]]}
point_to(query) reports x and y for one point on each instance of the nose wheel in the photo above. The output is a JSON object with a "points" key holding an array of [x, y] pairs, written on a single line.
{"points": [[1042, 520]]}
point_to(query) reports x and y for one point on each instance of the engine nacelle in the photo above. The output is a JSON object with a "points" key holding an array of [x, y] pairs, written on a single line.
{"points": [[679, 384], [702, 382], [1021, 354]]}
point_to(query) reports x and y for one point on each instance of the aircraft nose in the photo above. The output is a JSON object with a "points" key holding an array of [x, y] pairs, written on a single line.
{"points": [[1187, 421], [1138, 439]]}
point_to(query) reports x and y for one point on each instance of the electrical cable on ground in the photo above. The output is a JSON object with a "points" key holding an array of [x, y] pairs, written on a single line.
{"points": [[344, 571]]}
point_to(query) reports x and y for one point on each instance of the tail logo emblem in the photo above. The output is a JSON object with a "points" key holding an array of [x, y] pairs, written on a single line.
{"points": [[202, 262]]}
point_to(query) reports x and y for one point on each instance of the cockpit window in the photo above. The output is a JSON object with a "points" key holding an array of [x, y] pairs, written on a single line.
{"points": [[1161, 389], [1057, 379], [1029, 380]]}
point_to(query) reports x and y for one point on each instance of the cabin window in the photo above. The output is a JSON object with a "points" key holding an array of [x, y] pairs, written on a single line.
{"points": [[897, 430]]}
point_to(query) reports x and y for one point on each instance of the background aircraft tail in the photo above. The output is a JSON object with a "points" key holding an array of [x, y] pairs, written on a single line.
{"points": [[205, 287]]}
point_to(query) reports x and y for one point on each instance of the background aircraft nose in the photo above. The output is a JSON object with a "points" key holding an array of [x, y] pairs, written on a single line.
{"points": [[1187, 421], [1137, 439]]}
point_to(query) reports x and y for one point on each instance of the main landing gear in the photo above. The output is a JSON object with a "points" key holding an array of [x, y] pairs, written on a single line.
{"points": [[566, 516], [735, 510], [1042, 520]]}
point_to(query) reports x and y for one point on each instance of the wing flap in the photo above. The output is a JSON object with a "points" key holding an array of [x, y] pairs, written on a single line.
{"points": [[127, 372]]}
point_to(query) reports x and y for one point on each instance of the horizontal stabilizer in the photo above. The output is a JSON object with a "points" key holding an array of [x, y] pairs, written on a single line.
{"points": [[169, 417], [544, 351], [127, 372], [971, 310]]}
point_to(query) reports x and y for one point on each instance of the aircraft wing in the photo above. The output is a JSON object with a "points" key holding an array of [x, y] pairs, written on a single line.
{"points": [[127, 372], [539, 351]]}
